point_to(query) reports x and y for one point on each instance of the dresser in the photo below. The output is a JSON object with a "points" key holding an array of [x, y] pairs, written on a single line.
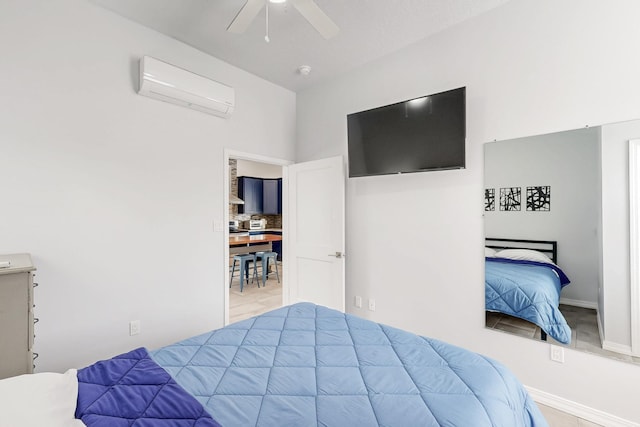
{"points": [[16, 315]]}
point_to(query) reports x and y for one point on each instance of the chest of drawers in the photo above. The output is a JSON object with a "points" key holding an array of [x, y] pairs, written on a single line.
{"points": [[16, 315]]}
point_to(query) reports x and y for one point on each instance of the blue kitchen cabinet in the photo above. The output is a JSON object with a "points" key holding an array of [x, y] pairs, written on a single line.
{"points": [[272, 196], [277, 246], [251, 192], [280, 195]]}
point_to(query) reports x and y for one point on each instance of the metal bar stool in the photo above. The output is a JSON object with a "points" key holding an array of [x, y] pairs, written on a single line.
{"points": [[266, 256], [244, 270]]}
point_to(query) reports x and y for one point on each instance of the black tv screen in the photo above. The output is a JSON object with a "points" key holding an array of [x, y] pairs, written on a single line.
{"points": [[421, 134]]}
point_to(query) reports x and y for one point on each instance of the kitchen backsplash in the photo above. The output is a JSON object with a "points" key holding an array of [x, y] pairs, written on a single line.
{"points": [[233, 180], [273, 221]]}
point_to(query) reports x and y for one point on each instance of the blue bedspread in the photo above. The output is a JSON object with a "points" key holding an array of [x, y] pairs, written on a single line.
{"points": [[132, 390], [307, 365], [530, 291]]}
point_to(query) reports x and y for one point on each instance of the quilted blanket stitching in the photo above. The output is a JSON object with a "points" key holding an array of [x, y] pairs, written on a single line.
{"points": [[110, 387], [492, 364], [315, 350], [270, 369], [549, 328], [231, 362], [463, 381], [373, 409], [318, 314], [119, 383], [517, 288], [409, 373], [545, 326]]}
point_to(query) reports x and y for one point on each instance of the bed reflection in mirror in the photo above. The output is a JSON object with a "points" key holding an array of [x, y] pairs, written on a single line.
{"points": [[556, 216]]}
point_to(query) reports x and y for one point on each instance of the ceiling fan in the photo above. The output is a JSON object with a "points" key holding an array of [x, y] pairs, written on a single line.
{"points": [[307, 8]]}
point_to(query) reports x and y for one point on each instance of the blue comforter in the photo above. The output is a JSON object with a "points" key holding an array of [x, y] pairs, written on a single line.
{"points": [[131, 390], [307, 365], [527, 290]]}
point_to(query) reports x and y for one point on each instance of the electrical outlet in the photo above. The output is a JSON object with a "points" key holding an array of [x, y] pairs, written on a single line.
{"points": [[557, 354], [372, 304], [357, 301], [134, 327]]}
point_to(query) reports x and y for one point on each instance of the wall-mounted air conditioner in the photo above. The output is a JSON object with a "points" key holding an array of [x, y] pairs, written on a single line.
{"points": [[172, 84]]}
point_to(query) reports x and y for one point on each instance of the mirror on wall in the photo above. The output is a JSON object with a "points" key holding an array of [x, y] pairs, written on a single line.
{"points": [[556, 220]]}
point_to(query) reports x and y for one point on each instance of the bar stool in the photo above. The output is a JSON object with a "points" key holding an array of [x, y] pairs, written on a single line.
{"points": [[244, 270], [266, 256]]}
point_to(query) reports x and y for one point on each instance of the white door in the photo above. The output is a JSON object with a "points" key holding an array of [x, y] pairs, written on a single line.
{"points": [[314, 209]]}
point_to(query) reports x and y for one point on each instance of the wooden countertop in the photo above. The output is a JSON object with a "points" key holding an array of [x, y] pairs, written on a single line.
{"points": [[259, 238]]}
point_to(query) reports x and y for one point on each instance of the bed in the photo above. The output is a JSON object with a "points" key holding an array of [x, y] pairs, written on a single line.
{"points": [[303, 365], [523, 280]]}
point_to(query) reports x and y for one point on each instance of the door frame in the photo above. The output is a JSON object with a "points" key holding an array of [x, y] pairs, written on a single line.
{"points": [[240, 155]]}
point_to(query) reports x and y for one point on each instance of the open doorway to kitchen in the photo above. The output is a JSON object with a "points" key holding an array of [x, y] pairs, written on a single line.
{"points": [[255, 261]]}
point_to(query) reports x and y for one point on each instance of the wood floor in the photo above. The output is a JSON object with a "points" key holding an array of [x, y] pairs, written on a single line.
{"points": [[557, 418], [253, 301]]}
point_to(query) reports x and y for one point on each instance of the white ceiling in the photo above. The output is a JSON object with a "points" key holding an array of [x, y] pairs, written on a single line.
{"points": [[369, 29]]}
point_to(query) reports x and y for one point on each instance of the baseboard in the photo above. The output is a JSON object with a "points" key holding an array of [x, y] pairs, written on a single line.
{"points": [[618, 348], [612, 346], [579, 410], [579, 303]]}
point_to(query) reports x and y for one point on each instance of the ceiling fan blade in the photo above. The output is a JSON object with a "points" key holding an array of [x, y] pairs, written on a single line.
{"points": [[248, 12], [316, 17]]}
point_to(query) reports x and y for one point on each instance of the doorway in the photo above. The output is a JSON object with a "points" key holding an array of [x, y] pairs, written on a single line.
{"points": [[253, 193]]}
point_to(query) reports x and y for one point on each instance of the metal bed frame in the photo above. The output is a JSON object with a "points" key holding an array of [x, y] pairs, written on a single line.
{"points": [[547, 247]]}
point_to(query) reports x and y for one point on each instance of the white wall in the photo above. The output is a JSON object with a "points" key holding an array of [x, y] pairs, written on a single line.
{"points": [[529, 68], [568, 163], [112, 193]]}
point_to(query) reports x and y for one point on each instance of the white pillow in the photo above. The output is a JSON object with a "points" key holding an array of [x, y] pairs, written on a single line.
{"points": [[524, 254], [489, 252], [37, 400]]}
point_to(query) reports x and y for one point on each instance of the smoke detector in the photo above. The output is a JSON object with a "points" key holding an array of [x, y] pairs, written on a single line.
{"points": [[304, 70]]}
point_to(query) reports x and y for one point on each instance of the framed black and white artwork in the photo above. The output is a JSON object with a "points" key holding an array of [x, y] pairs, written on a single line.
{"points": [[489, 199], [510, 199], [539, 198]]}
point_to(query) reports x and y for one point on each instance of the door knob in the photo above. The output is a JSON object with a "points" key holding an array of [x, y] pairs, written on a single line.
{"points": [[338, 254]]}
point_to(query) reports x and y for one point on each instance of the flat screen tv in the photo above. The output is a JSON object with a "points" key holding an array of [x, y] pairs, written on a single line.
{"points": [[421, 134]]}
